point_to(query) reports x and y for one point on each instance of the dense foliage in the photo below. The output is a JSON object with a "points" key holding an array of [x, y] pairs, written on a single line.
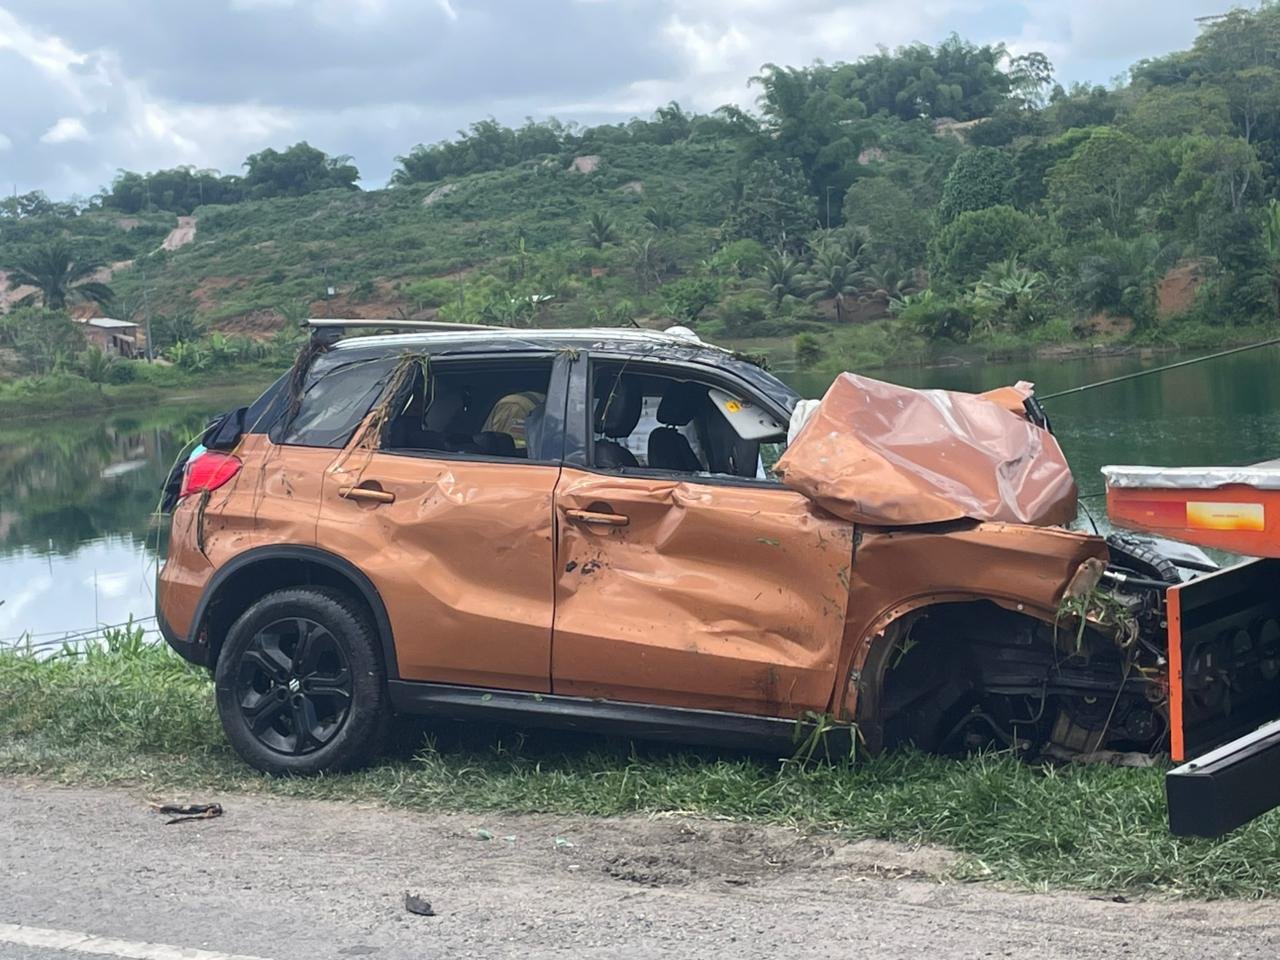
{"points": [[863, 212]]}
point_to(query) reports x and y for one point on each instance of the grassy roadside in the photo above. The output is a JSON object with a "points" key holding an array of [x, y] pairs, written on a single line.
{"points": [[137, 714]]}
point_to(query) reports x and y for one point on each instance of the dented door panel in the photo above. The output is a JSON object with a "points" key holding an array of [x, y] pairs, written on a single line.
{"points": [[462, 558], [713, 596]]}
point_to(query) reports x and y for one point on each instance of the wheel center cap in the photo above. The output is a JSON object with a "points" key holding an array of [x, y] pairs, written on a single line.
{"points": [[294, 684]]}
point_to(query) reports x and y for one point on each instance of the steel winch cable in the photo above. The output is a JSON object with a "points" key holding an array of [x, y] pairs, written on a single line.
{"points": [[1162, 369]]}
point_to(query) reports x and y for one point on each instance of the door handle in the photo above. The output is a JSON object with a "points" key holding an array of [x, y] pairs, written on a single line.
{"points": [[603, 519], [367, 493]]}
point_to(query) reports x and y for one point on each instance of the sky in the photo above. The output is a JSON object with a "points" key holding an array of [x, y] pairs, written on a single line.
{"points": [[94, 86]]}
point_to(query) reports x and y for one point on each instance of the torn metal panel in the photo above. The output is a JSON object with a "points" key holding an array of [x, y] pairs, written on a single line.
{"points": [[881, 454], [712, 596], [895, 572]]}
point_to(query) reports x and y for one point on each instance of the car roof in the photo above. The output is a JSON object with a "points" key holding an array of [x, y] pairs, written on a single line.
{"points": [[621, 341], [496, 339]]}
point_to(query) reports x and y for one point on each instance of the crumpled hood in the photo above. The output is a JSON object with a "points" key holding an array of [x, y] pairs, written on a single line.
{"points": [[884, 455]]}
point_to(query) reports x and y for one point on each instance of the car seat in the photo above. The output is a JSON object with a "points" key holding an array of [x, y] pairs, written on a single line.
{"points": [[617, 414], [669, 449]]}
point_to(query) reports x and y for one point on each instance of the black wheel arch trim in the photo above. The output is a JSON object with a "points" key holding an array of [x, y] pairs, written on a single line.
{"points": [[199, 653]]}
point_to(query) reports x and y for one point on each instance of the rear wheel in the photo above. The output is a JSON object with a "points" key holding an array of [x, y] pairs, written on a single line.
{"points": [[300, 683]]}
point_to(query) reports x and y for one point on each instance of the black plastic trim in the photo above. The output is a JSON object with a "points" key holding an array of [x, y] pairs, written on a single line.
{"points": [[1227, 787], [646, 721], [191, 652], [289, 552]]}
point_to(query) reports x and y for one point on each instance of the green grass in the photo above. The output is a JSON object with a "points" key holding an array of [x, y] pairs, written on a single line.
{"points": [[56, 395], [133, 713]]}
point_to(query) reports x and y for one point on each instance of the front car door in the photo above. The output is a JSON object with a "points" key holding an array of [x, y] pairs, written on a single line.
{"points": [[688, 581], [449, 514]]}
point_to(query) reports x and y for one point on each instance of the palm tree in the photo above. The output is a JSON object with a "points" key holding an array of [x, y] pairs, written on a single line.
{"points": [[833, 277], [600, 230], [885, 281], [59, 277], [660, 218], [783, 277]]}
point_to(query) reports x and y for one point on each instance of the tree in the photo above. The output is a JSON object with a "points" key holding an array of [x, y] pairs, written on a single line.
{"points": [[685, 299], [963, 249], [783, 278], [1010, 292], [661, 218], [808, 349], [1102, 182], [96, 365], [1174, 111], [600, 230], [59, 277], [42, 340], [1119, 276], [298, 170], [978, 179], [774, 206], [170, 328], [833, 276], [1240, 51], [1218, 171], [885, 282], [1030, 76], [894, 224], [1271, 241]]}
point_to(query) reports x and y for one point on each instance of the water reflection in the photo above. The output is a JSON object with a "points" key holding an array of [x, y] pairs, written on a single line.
{"points": [[76, 498]]}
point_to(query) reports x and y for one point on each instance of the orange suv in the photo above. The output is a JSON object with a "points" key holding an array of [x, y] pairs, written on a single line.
{"points": [[582, 528]]}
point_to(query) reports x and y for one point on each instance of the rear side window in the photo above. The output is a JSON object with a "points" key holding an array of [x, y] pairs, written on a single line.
{"points": [[262, 414], [336, 398]]}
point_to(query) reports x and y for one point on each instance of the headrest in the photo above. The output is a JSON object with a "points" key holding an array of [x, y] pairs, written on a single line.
{"points": [[618, 408], [680, 403]]}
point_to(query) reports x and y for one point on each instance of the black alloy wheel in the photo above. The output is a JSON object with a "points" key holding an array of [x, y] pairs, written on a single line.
{"points": [[294, 686], [300, 683]]}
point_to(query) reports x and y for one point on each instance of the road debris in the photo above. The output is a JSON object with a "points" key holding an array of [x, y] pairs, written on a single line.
{"points": [[418, 905], [182, 812]]}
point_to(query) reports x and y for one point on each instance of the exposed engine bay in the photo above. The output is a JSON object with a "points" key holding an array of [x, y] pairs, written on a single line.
{"points": [[972, 675]]}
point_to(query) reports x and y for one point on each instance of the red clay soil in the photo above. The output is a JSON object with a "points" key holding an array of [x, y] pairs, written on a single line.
{"points": [[1176, 291]]}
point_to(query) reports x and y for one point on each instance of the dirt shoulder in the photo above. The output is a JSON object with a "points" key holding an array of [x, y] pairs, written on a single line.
{"points": [[292, 878]]}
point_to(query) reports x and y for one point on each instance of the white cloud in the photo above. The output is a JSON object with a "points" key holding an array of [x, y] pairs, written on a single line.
{"points": [[65, 130], [5, 142]]}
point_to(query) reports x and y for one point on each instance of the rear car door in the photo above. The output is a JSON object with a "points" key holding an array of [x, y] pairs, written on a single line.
{"points": [[684, 577], [448, 511]]}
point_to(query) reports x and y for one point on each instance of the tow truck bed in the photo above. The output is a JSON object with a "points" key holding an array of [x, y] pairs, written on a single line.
{"points": [[1223, 637]]}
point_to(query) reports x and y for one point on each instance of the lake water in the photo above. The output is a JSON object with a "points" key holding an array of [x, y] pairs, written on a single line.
{"points": [[77, 549]]}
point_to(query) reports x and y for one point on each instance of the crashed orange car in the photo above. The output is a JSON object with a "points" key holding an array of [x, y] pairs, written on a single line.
{"points": [[636, 532]]}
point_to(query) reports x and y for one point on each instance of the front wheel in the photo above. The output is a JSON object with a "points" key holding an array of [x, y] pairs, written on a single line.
{"points": [[300, 684]]}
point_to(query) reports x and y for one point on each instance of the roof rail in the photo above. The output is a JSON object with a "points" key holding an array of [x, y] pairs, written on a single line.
{"points": [[332, 329]]}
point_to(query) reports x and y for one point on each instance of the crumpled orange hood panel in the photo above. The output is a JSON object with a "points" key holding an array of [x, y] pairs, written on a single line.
{"points": [[880, 454]]}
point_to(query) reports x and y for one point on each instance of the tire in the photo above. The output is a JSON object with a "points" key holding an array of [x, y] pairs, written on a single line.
{"points": [[300, 684], [1142, 557]]}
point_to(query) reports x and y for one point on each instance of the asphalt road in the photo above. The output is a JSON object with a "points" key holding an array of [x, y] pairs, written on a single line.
{"points": [[98, 873]]}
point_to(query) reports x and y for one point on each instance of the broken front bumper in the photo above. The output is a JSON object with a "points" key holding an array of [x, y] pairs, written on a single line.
{"points": [[1224, 688]]}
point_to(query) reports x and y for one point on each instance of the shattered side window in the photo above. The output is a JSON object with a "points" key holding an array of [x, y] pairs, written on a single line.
{"points": [[335, 400]]}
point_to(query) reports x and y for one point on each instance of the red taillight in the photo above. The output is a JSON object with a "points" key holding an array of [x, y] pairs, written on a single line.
{"points": [[208, 471]]}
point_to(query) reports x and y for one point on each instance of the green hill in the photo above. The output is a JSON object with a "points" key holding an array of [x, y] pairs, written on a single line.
{"points": [[930, 200]]}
